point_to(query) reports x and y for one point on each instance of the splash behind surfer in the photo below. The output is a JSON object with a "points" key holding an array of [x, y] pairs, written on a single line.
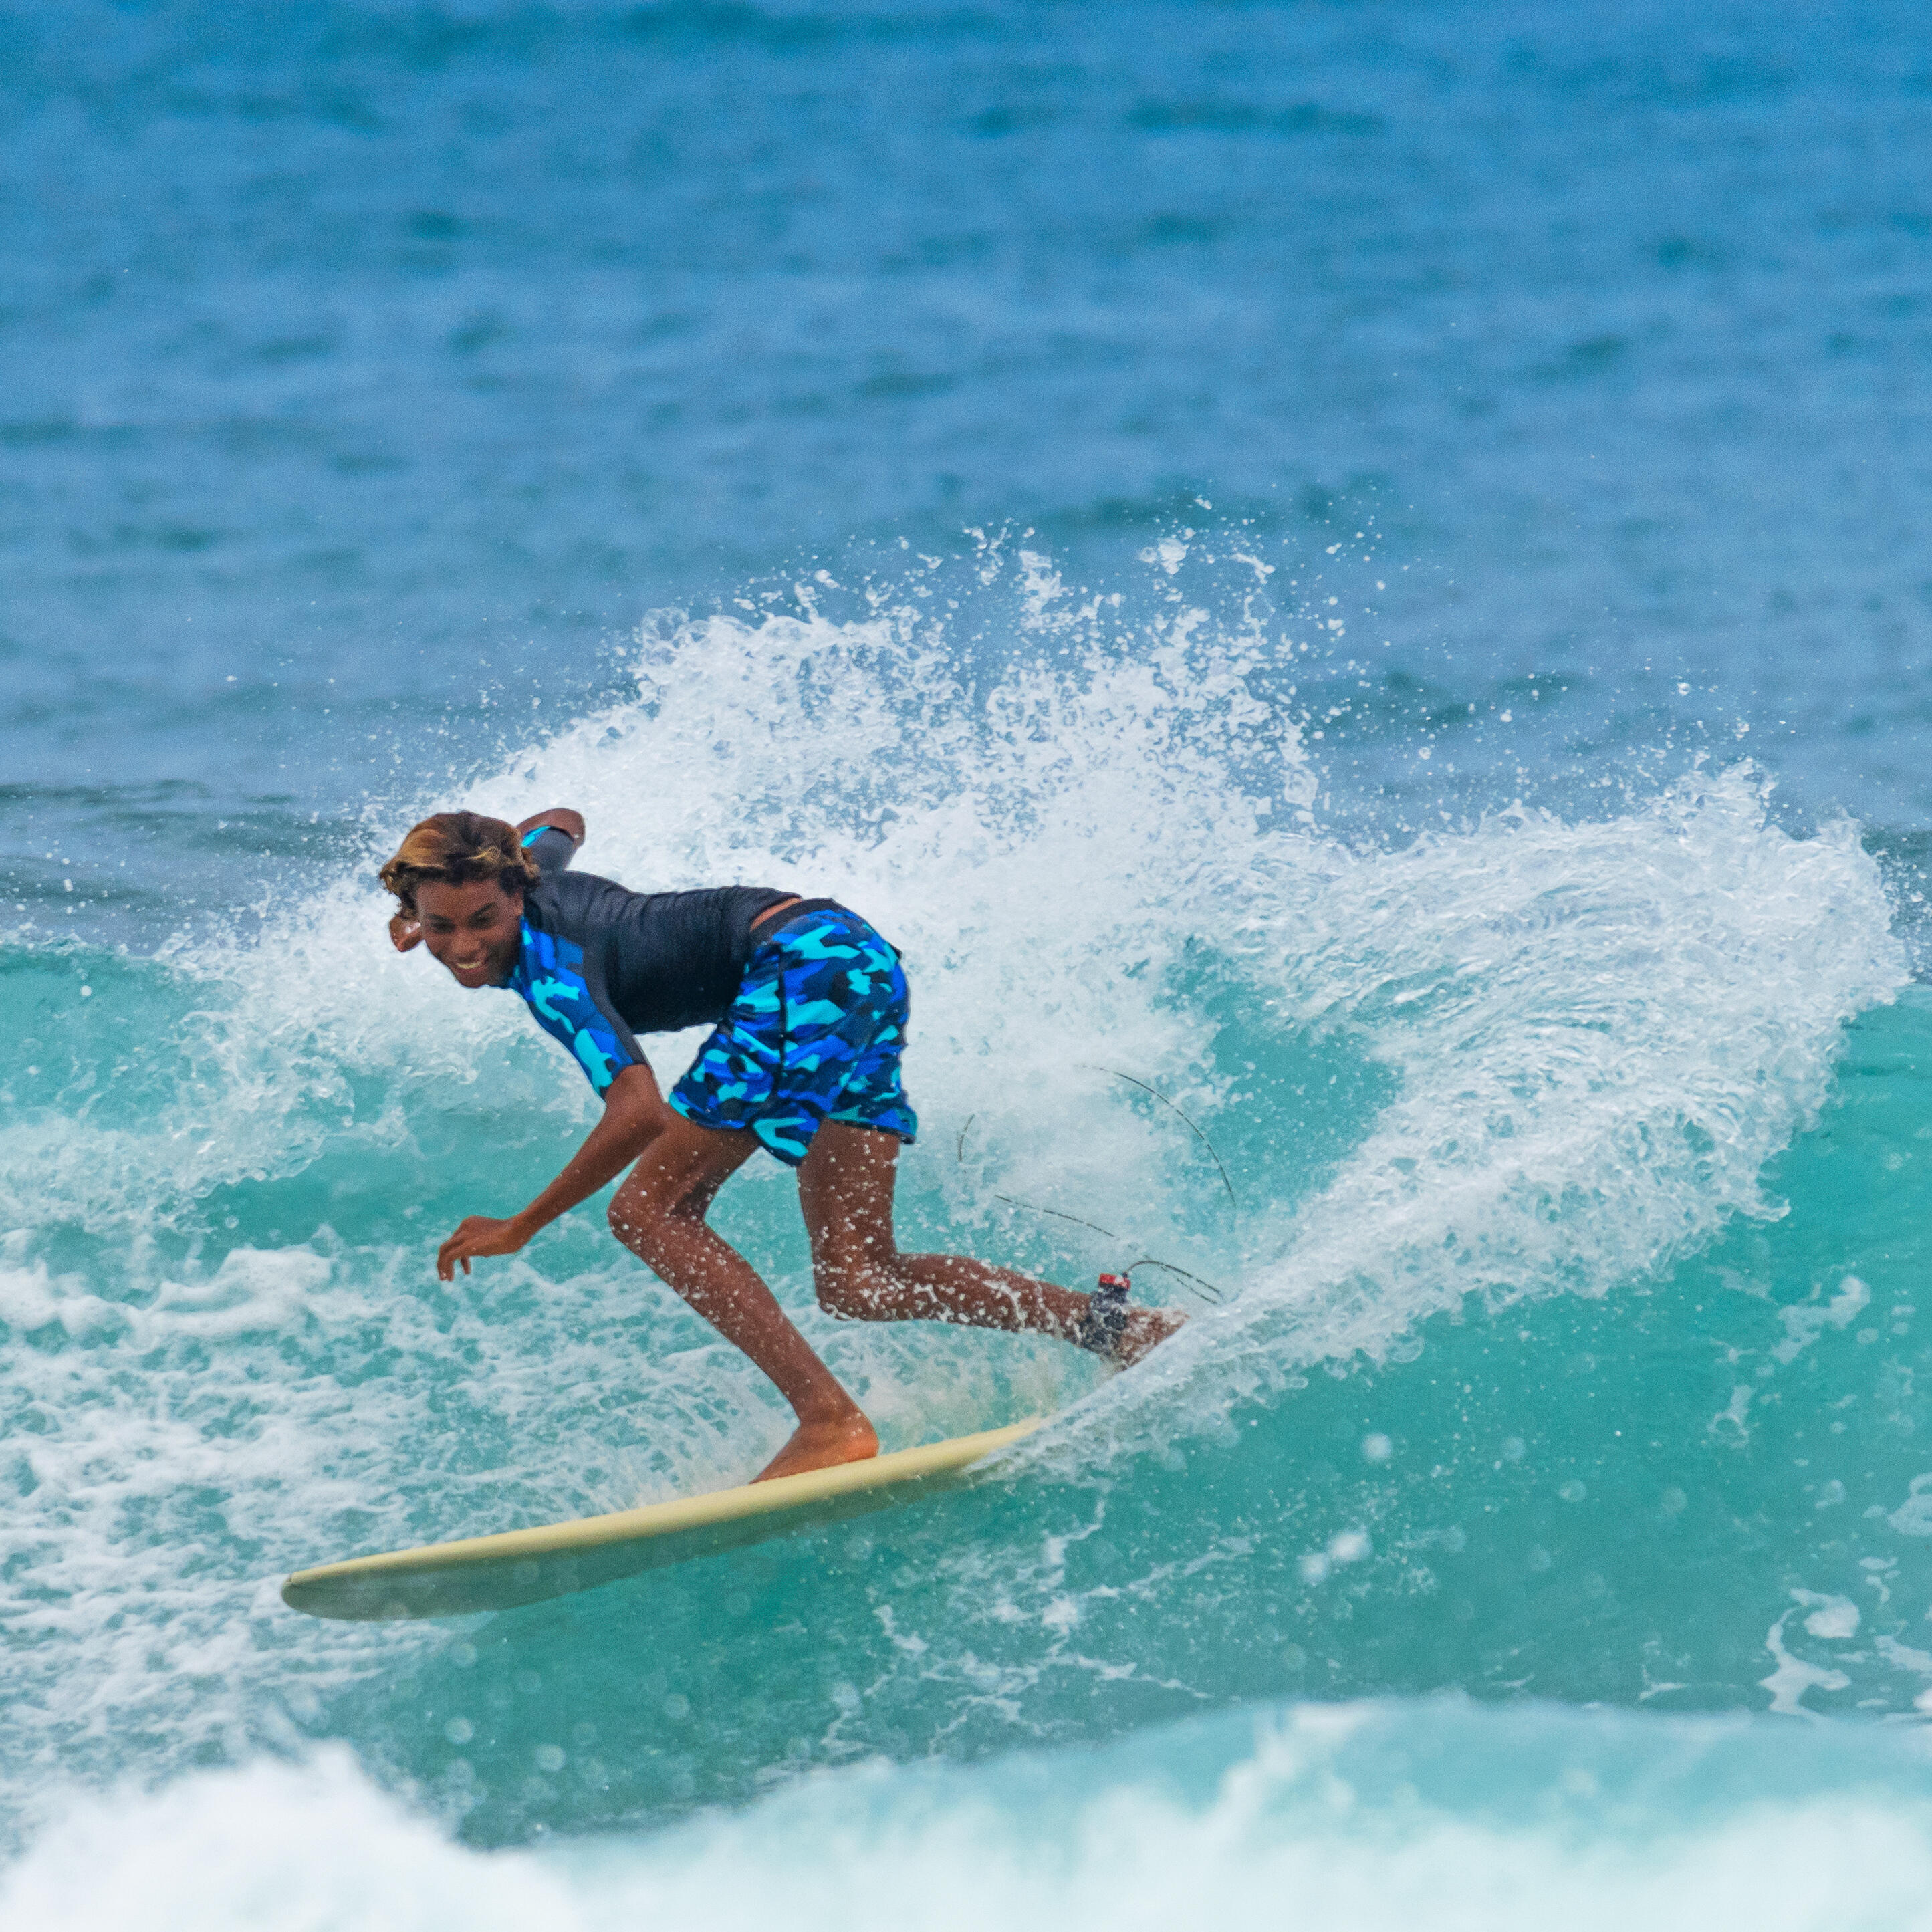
{"points": [[807, 1006]]}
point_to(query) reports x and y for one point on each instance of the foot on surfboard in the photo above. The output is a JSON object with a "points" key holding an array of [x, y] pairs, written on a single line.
{"points": [[821, 1445]]}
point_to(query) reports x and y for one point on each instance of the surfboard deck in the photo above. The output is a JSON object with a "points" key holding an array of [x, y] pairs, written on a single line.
{"points": [[528, 1566]]}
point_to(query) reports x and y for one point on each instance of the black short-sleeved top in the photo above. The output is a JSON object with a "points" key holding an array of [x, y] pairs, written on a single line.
{"points": [[600, 965]]}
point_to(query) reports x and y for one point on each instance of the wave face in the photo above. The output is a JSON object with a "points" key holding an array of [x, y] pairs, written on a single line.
{"points": [[1542, 1363]]}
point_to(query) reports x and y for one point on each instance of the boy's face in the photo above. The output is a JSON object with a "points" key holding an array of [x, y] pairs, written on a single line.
{"points": [[476, 930]]}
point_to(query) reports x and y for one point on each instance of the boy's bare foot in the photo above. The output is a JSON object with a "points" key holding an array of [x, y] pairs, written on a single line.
{"points": [[1147, 1328], [822, 1445]]}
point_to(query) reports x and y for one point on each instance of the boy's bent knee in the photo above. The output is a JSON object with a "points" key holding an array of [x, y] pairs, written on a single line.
{"points": [[857, 1290], [634, 1218], [847, 1293]]}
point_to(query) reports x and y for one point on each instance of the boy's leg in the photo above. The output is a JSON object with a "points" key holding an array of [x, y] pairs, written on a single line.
{"points": [[845, 1188], [658, 1214]]}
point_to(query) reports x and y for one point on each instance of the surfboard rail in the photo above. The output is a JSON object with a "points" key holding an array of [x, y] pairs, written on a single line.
{"points": [[515, 1566]]}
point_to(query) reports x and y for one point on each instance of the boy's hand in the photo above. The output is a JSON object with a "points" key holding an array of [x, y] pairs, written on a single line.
{"points": [[478, 1235]]}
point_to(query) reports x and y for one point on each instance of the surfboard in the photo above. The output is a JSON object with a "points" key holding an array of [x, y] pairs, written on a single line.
{"points": [[527, 1566]]}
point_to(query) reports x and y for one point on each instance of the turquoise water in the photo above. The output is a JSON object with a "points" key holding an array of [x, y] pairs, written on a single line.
{"points": [[939, 458]]}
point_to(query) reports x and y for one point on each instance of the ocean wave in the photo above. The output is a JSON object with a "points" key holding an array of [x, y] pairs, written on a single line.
{"points": [[1160, 1014], [1355, 1816]]}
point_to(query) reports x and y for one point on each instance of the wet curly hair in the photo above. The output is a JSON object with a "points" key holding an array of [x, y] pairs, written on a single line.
{"points": [[454, 848]]}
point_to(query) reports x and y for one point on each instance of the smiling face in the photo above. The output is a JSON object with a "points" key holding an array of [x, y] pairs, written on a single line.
{"points": [[476, 930]]}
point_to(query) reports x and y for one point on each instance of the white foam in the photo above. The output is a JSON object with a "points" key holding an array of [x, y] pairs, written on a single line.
{"points": [[1294, 1824], [1804, 1321], [1792, 1676]]}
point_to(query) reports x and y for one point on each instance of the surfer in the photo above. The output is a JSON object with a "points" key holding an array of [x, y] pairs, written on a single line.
{"points": [[807, 1006]]}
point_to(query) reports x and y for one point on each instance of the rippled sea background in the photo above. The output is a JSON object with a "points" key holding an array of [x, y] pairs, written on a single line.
{"points": [[1363, 564]]}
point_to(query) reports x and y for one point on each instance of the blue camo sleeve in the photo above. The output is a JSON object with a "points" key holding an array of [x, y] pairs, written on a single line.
{"points": [[562, 997], [625, 1050]]}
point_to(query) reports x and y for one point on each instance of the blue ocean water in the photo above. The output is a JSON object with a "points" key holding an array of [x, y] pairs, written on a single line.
{"points": [[1360, 564]]}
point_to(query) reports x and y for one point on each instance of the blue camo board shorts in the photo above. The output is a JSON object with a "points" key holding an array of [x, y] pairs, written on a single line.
{"points": [[815, 1034]]}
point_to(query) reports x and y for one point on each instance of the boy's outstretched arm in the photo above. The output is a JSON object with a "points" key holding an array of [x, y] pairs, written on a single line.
{"points": [[634, 1114]]}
